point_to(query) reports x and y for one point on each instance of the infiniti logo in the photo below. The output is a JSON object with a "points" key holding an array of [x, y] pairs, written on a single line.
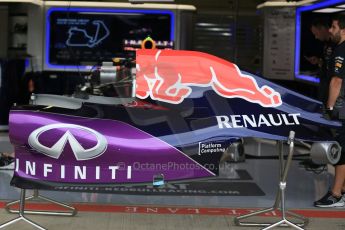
{"points": [[78, 150]]}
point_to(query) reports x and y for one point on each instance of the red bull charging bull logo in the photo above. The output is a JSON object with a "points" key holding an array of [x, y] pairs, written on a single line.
{"points": [[167, 75]]}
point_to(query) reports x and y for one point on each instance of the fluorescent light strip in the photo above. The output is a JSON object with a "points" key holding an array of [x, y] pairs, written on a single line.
{"points": [[217, 29], [285, 3], [328, 10], [118, 5], [341, 6], [299, 10], [35, 2], [206, 24], [319, 5]]}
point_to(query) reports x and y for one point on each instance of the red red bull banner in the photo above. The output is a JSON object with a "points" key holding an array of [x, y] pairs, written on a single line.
{"points": [[168, 75]]}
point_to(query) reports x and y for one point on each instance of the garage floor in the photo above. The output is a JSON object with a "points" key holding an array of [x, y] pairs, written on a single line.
{"points": [[303, 187]]}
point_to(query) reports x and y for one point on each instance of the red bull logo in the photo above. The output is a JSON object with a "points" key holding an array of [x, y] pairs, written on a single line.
{"points": [[167, 75]]}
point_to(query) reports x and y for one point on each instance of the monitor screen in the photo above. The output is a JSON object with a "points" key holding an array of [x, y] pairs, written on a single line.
{"points": [[79, 38]]}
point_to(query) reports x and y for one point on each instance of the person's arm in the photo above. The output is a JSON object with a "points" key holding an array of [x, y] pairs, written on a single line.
{"points": [[334, 91], [314, 60]]}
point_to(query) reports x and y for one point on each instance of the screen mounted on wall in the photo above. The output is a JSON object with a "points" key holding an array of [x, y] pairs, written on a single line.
{"points": [[82, 38]]}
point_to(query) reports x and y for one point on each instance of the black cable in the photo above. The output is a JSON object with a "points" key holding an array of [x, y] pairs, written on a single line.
{"points": [[275, 157], [310, 166]]}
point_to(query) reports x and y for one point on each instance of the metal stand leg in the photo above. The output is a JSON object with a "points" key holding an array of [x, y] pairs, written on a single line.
{"points": [[72, 211], [21, 214], [279, 203]]}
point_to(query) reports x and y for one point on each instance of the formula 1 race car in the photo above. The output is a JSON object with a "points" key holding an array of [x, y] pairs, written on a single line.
{"points": [[167, 115]]}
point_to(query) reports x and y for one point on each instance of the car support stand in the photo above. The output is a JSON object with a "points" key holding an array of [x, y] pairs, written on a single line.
{"points": [[21, 214], [72, 211], [279, 203]]}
